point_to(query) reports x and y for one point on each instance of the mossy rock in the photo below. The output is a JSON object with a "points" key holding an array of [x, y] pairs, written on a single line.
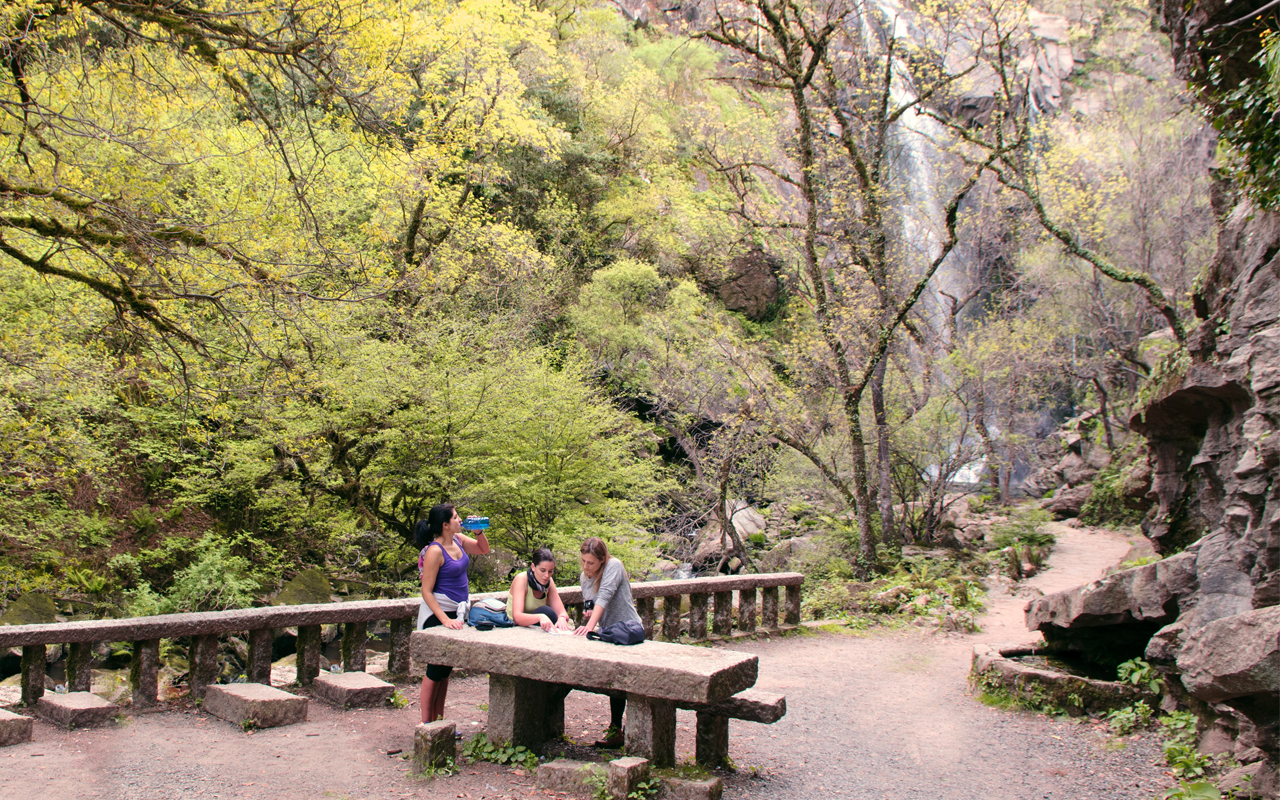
{"points": [[30, 609], [310, 586]]}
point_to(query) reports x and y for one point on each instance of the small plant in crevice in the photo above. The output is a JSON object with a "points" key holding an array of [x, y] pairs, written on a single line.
{"points": [[479, 748], [1124, 721], [397, 699], [1137, 672], [431, 772], [1197, 790], [646, 789]]}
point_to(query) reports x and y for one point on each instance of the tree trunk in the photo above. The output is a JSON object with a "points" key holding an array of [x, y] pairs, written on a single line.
{"points": [[884, 492]]}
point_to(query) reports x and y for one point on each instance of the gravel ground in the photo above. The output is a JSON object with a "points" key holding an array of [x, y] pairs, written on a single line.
{"points": [[884, 715]]}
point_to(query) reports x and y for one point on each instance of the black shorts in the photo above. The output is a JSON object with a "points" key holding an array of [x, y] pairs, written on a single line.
{"points": [[436, 672]]}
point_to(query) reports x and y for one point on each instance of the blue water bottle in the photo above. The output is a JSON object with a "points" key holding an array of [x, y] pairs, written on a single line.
{"points": [[475, 524]]}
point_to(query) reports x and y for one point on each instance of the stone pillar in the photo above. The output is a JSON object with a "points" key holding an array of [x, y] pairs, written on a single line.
{"points": [[712, 744], [722, 616], [671, 617], [521, 711], [769, 609], [33, 664], [651, 729], [433, 745], [308, 657], [204, 664], [697, 616], [78, 657], [398, 658], [144, 673], [556, 693], [793, 606], [355, 635], [747, 610], [644, 606], [258, 669]]}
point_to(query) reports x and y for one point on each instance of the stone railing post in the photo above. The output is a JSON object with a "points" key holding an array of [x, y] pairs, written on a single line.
{"points": [[308, 657], [33, 665], [144, 673], [355, 636], [79, 654], [747, 609], [671, 617], [398, 658], [697, 616], [261, 642], [793, 605], [204, 664], [769, 607], [722, 615], [644, 606]]}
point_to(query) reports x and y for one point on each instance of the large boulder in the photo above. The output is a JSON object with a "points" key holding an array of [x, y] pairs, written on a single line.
{"points": [[1068, 501], [1233, 656]]}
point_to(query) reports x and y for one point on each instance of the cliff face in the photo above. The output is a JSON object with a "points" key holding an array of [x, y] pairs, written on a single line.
{"points": [[1212, 423]]}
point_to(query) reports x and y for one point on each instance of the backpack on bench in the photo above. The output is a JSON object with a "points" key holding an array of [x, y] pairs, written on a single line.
{"points": [[629, 632]]}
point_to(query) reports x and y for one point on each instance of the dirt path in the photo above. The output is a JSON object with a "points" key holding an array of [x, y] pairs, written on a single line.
{"points": [[880, 716]]}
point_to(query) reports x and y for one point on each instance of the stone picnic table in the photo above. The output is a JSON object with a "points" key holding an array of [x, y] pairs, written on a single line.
{"points": [[531, 672]]}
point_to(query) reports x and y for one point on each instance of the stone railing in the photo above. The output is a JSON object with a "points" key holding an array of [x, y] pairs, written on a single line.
{"points": [[203, 629]]}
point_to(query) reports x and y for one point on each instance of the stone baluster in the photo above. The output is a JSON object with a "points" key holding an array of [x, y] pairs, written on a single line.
{"points": [[769, 607], [645, 607], [308, 658], [79, 654], [261, 643], [698, 616], [204, 664], [33, 664], [144, 673], [355, 635], [398, 659], [722, 614], [793, 605], [747, 609], [671, 617]]}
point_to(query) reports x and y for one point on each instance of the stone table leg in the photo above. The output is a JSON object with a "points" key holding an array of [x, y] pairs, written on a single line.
{"points": [[712, 744], [722, 616], [671, 617], [308, 657], [398, 660], [644, 607], [522, 711], [793, 606], [144, 673], [769, 607], [204, 664], [697, 616], [651, 729], [747, 610]]}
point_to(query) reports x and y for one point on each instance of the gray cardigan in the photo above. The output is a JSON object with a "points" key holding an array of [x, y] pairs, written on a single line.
{"points": [[614, 594]]}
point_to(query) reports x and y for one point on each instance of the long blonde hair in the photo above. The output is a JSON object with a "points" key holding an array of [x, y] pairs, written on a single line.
{"points": [[596, 547]]}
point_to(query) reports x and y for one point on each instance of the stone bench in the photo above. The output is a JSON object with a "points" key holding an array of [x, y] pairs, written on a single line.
{"points": [[712, 743]]}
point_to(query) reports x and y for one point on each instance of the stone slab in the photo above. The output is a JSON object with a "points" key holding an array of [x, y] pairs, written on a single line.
{"points": [[256, 705], [676, 672], [14, 728], [352, 689], [76, 709], [682, 789], [565, 775], [623, 775]]}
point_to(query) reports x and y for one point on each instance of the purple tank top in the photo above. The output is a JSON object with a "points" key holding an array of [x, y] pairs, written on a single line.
{"points": [[451, 580]]}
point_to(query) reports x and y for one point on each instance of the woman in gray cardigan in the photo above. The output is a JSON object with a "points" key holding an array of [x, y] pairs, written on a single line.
{"points": [[606, 596]]}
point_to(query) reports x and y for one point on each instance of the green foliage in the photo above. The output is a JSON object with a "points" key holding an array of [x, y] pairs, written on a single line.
{"points": [[1023, 528], [1193, 790], [216, 581], [479, 748], [1107, 503], [1184, 760], [431, 772], [1139, 673], [1030, 697], [398, 700], [1124, 721]]}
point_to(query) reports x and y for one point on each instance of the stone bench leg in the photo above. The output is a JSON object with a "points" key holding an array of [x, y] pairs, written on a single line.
{"points": [[144, 673], [651, 729], [79, 655], [671, 617], [523, 711], [712, 745], [644, 607], [355, 636], [33, 671], [308, 656], [398, 659], [260, 645], [747, 610]]}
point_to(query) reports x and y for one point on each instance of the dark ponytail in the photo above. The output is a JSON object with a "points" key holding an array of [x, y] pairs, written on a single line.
{"points": [[426, 531]]}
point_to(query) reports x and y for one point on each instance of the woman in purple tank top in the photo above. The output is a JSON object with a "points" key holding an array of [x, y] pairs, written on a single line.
{"points": [[443, 561]]}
